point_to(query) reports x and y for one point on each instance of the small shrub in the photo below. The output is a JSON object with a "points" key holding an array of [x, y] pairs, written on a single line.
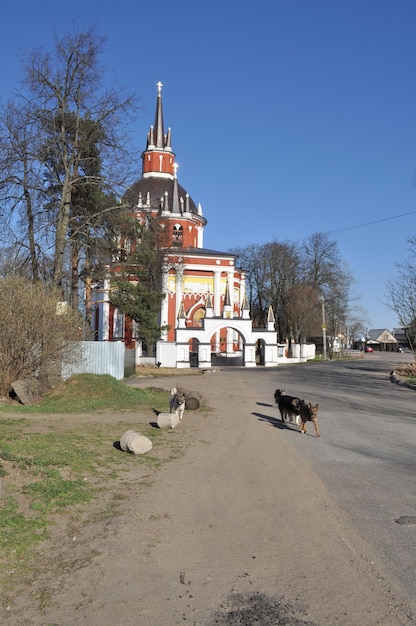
{"points": [[35, 347]]}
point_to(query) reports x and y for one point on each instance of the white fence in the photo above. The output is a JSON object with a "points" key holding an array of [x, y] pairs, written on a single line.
{"points": [[101, 357], [112, 357]]}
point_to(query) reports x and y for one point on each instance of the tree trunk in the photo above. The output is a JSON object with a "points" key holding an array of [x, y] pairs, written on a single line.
{"points": [[61, 235]]}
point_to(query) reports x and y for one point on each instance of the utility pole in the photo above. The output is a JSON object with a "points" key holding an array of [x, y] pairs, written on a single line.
{"points": [[323, 326]]}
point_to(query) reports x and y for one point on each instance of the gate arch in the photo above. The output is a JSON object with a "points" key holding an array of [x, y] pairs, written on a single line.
{"points": [[227, 346], [193, 352], [260, 352]]}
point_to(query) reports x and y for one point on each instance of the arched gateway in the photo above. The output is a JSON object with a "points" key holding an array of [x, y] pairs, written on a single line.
{"points": [[240, 340]]}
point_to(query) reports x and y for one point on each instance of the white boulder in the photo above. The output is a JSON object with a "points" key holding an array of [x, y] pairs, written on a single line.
{"points": [[135, 443], [168, 420]]}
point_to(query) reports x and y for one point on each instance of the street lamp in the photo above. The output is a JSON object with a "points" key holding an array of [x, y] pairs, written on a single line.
{"points": [[323, 326]]}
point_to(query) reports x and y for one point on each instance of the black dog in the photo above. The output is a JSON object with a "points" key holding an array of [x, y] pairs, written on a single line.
{"points": [[289, 406]]}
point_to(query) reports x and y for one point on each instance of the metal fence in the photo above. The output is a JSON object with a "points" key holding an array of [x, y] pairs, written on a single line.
{"points": [[101, 357]]}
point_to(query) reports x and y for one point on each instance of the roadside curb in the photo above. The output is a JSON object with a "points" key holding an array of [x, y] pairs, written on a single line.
{"points": [[400, 380]]}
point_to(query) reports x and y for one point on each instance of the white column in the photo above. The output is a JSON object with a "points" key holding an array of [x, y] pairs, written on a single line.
{"points": [[242, 291], [230, 279], [217, 342], [230, 337], [105, 321], [200, 238], [217, 293], [178, 289], [165, 302]]}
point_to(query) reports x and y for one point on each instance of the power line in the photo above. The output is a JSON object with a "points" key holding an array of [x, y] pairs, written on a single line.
{"points": [[385, 219], [340, 230]]}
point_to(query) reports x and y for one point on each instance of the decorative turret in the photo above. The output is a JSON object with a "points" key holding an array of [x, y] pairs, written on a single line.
{"points": [[245, 307], [175, 203], [227, 310], [158, 158], [209, 312], [270, 319], [181, 316]]}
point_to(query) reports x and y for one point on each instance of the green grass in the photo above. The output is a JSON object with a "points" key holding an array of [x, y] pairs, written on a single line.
{"points": [[19, 533], [86, 393], [56, 468]]}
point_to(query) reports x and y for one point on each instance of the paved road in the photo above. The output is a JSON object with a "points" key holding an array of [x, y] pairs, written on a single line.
{"points": [[366, 455]]}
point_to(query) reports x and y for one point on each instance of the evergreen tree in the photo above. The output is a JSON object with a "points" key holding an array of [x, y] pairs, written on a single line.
{"points": [[136, 283]]}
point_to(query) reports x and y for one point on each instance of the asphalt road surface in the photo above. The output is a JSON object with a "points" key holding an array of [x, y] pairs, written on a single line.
{"points": [[366, 455]]}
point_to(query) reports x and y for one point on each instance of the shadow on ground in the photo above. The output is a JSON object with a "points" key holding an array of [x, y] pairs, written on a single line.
{"points": [[257, 609], [275, 422]]}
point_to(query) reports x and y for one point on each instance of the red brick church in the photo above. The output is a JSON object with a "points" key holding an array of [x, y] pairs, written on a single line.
{"points": [[205, 303]]}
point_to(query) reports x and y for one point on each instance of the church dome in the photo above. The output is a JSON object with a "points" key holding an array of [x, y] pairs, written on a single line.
{"points": [[154, 192]]}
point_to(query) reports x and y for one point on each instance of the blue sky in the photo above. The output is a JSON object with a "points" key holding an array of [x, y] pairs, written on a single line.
{"points": [[288, 116]]}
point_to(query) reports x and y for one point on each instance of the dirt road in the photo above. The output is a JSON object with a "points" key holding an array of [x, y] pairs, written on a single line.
{"points": [[235, 531]]}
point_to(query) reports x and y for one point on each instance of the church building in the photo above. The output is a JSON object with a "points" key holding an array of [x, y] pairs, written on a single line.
{"points": [[205, 304]]}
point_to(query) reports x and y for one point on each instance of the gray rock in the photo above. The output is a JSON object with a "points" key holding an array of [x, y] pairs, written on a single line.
{"points": [[28, 390]]}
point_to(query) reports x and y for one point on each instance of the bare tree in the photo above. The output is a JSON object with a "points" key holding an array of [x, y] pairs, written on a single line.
{"points": [[303, 310], [401, 295], [328, 274], [79, 127], [20, 176], [322, 260], [284, 273], [272, 270], [293, 279], [254, 262]]}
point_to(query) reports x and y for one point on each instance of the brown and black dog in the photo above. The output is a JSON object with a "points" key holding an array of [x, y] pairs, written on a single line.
{"points": [[290, 406], [308, 413]]}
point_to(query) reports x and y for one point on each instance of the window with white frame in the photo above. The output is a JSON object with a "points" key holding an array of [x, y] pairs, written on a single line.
{"points": [[118, 325]]}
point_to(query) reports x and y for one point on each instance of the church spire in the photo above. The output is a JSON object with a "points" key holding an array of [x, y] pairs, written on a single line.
{"points": [[175, 200], [158, 158], [158, 127]]}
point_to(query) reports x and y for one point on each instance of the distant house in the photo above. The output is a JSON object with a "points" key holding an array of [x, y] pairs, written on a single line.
{"points": [[381, 339], [401, 336]]}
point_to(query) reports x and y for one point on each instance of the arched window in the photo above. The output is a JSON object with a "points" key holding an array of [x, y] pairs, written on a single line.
{"points": [[118, 325], [197, 317], [177, 236]]}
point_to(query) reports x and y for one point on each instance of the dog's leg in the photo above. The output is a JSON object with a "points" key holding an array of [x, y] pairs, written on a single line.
{"points": [[315, 423], [303, 428], [172, 401]]}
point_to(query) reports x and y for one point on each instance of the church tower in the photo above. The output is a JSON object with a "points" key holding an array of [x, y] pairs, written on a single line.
{"points": [[159, 193], [191, 273], [205, 305]]}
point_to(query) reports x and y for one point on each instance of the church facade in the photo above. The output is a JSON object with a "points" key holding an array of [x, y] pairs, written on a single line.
{"points": [[205, 306]]}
